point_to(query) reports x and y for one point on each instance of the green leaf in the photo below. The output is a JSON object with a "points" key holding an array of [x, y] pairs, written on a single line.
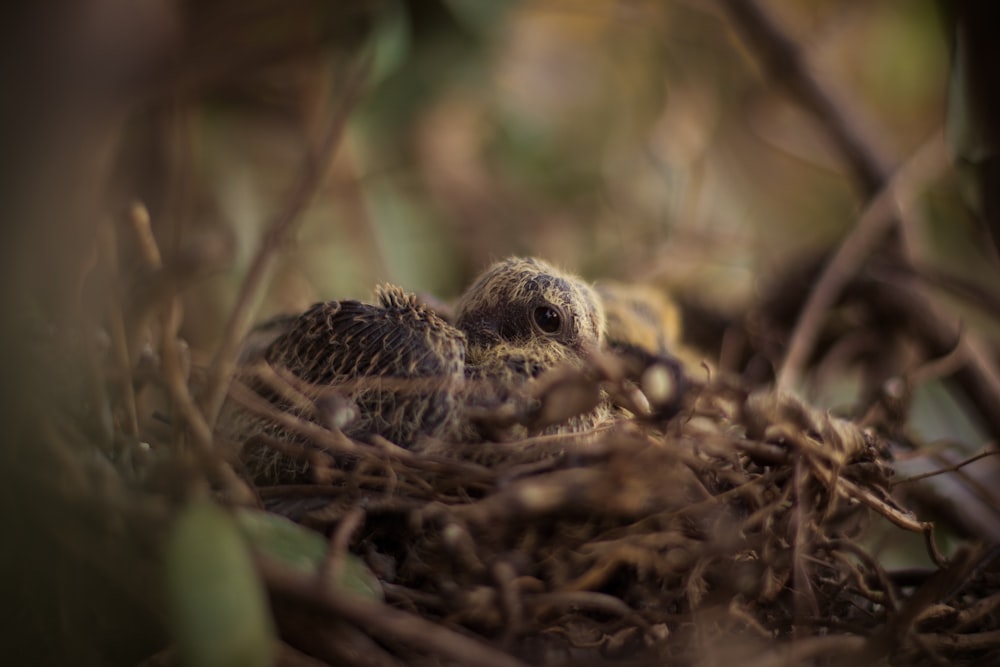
{"points": [[391, 41], [218, 608], [304, 550]]}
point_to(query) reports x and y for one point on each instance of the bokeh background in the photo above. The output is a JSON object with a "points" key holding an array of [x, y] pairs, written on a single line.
{"points": [[631, 140], [624, 139]]}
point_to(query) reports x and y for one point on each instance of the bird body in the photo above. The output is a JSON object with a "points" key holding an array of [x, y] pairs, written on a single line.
{"points": [[411, 374], [362, 348]]}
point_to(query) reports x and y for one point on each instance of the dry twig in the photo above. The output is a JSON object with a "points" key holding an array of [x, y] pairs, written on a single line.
{"points": [[881, 213], [310, 177]]}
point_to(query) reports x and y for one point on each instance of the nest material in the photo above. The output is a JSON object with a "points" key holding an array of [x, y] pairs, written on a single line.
{"points": [[726, 528], [731, 532], [694, 540], [717, 526]]}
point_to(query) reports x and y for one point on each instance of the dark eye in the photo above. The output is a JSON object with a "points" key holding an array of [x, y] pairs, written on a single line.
{"points": [[548, 319]]}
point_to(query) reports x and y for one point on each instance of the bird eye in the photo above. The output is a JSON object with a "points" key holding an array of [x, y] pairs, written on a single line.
{"points": [[548, 319]]}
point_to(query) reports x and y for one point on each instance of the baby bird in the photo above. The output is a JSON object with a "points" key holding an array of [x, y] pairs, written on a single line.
{"points": [[411, 374], [644, 333], [522, 317], [640, 316], [400, 363], [644, 321]]}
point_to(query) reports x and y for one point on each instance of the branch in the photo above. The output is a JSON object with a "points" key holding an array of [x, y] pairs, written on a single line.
{"points": [[311, 175], [883, 210], [784, 60], [940, 471], [385, 622]]}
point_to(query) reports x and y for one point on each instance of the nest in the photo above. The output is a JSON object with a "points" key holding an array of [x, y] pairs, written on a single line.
{"points": [[733, 530], [732, 527], [712, 525], [697, 540]]}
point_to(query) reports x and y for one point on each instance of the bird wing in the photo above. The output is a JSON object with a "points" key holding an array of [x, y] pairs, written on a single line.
{"points": [[362, 348], [340, 341]]}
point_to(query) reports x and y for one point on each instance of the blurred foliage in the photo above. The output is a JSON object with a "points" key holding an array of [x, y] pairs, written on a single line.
{"points": [[218, 607], [632, 140], [291, 545]]}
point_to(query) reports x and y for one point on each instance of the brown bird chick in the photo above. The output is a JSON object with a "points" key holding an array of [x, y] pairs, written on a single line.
{"points": [[410, 374], [640, 316], [522, 317], [644, 331], [395, 368]]}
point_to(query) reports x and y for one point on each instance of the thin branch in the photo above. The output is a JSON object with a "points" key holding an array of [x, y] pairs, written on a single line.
{"points": [[927, 163], [909, 302], [175, 377], [385, 622], [940, 471], [333, 565], [961, 643], [116, 329], [784, 60], [310, 177], [586, 600]]}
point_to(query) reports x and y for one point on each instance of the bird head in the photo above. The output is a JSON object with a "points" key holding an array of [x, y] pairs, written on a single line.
{"points": [[523, 316]]}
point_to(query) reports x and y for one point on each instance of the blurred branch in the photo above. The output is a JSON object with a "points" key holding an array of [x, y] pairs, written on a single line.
{"points": [[890, 197], [940, 471], [310, 177], [909, 181], [908, 301], [384, 621], [174, 373], [906, 296], [784, 60], [175, 366], [116, 329]]}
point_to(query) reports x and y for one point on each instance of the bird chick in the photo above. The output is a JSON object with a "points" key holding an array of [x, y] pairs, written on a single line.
{"points": [[410, 374], [644, 331], [395, 367], [645, 320], [640, 316], [523, 318]]}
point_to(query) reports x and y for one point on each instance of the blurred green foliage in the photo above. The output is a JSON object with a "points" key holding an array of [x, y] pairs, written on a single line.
{"points": [[303, 550], [218, 608]]}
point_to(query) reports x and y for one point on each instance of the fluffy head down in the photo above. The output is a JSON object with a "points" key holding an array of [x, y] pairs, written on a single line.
{"points": [[524, 310], [640, 316]]}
